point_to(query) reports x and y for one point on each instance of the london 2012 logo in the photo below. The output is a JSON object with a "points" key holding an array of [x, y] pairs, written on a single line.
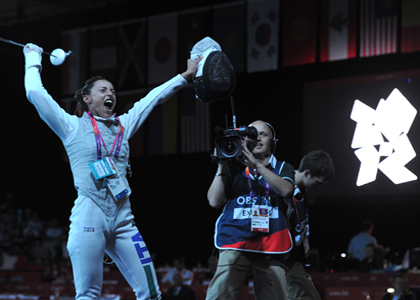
{"points": [[381, 139]]}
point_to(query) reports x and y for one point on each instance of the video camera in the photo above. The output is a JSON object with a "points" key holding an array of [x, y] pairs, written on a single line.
{"points": [[230, 144], [229, 141]]}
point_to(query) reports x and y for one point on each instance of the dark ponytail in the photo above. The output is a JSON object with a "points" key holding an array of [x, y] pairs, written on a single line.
{"points": [[81, 105]]}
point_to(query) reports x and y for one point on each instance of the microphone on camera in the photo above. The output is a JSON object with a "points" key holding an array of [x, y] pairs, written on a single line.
{"points": [[219, 131]]}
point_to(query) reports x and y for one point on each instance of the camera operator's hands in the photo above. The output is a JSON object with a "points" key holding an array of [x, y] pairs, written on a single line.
{"points": [[250, 143], [218, 160], [216, 193], [283, 187], [247, 157]]}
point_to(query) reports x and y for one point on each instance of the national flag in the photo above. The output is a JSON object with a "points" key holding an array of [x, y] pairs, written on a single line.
{"points": [[228, 31], [74, 72], [131, 54], [193, 26], [410, 26], [103, 51], [263, 24], [378, 27], [162, 128], [162, 48], [195, 123], [338, 30], [299, 32]]}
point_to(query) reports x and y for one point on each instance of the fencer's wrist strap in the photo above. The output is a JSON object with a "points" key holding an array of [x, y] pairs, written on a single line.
{"points": [[36, 66]]}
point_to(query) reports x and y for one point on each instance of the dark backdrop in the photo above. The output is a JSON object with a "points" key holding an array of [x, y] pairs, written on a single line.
{"points": [[169, 192]]}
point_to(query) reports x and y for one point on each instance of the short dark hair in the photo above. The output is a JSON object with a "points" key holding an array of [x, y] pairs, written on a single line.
{"points": [[319, 163], [366, 225]]}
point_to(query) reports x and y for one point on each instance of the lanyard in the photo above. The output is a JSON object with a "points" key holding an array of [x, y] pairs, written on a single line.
{"points": [[297, 192], [251, 193], [98, 138], [296, 208]]}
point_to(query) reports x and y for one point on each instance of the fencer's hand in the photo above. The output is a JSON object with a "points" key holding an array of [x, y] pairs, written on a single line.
{"points": [[192, 66], [32, 47]]}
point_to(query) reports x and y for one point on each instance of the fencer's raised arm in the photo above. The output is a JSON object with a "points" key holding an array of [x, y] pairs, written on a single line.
{"points": [[48, 109]]}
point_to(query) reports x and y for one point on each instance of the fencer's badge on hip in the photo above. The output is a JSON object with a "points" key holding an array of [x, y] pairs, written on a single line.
{"points": [[117, 187]]}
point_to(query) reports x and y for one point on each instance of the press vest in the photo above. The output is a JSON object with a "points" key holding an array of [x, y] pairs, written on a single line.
{"points": [[233, 227]]}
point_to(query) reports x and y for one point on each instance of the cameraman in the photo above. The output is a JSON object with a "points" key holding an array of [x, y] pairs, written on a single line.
{"points": [[252, 233]]}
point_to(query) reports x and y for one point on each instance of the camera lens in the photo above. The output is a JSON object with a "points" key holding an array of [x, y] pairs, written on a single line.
{"points": [[230, 146]]}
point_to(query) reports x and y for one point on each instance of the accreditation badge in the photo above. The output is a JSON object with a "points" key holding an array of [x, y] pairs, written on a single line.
{"points": [[103, 168], [260, 218], [117, 187]]}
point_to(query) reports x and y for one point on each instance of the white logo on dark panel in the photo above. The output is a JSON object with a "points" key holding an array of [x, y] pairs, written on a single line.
{"points": [[381, 139]]}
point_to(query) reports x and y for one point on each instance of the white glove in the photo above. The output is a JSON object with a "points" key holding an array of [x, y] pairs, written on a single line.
{"points": [[33, 56]]}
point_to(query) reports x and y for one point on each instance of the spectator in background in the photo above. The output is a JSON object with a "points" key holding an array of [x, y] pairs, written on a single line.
{"points": [[30, 242], [206, 277], [398, 283], [358, 242], [27, 213], [179, 291], [2, 231], [36, 223], [53, 237], [30, 233], [21, 236], [7, 209], [55, 274], [179, 268], [373, 259], [37, 254], [17, 237], [6, 244], [12, 259]]}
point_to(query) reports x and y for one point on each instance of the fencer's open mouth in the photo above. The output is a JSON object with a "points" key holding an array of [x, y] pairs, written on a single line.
{"points": [[108, 104]]}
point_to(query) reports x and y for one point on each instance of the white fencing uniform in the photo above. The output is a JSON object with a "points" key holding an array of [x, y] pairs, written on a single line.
{"points": [[99, 223]]}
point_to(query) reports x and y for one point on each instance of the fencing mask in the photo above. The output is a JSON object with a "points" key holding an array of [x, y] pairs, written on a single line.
{"points": [[215, 78]]}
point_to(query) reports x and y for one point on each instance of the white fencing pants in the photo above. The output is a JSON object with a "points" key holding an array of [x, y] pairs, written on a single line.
{"points": [[91, 234]]}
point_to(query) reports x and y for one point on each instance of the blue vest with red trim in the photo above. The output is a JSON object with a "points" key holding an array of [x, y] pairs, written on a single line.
{"points": [[233, 227]]}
